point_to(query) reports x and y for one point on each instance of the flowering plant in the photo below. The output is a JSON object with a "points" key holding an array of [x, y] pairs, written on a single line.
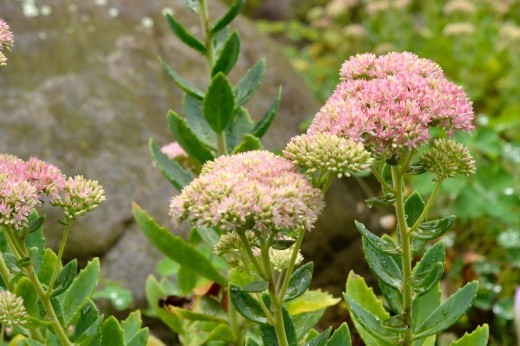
{"points": [[253, 208], [43, 301]]}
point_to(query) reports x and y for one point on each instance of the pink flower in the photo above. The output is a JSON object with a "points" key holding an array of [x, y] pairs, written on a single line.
{"points": [[256, 191], [173, 150], [6, 36], [45, 177], [17, 200], [389, 102]]}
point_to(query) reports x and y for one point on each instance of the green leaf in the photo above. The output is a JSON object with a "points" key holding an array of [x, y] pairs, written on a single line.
{"points": [[186, 138], [189, 315], [222, 333], [208, 235], [187, 280], [228, 56], [311, 300], [268, 333], [35, 223], [249, 143], [383, 265], [192, 110], [184, 35], [25, 290], [423, 306], [175, 247], [30, 342], [172, 171], [47, 266], [65, 278], [263, 125], [357, 289], [88, 324], [246, 305], [251, 342], [479, 337], [384, 200], [413, 207], [304, 322], [430, 230], [119, 297], [218, 106], [384, 246], [81, 288], [369, 321], [182, 83], [393, 297], [228, 17], [192, 5], [256, 287], [153, 292], [246, 87], [449, 312], [299, 282], [241, 125], [112, 333], [321, 339], [429, 270], [139, 339], [132, 325], [341, 336]]}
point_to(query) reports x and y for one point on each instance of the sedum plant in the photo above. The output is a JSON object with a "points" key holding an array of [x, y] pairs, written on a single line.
{"points": [[240, 278], [42, 300]]}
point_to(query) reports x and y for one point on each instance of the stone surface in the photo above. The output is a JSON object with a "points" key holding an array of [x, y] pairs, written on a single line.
{"points": [[83, 89]]}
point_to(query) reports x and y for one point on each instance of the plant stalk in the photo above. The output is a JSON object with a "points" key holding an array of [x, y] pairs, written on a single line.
{"points": [[60, 255], [406, 257]]}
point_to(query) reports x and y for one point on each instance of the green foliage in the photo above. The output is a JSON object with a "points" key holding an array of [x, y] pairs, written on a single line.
{"points": [[299, 282]]}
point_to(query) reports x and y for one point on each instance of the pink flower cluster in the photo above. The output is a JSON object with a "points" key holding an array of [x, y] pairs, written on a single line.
{"points": [[173, 150], [6, 41], [256, 191], [22, 183], [389, 102]]}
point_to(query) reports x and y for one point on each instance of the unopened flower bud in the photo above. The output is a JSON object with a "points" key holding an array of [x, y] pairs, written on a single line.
{"points": [[447, 158], [325, 152], [280, 259], [230, 245], [12, 310], [80, 196]]}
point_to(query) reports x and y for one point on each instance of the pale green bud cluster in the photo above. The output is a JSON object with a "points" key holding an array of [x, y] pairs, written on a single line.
{"points": [[325, 152], [280, 259], [79, 197], [447, 158], [12, 311], [230, 245]]}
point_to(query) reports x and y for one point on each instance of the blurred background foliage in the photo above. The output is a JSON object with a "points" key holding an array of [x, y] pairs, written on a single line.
{"points": [[477, 43]]}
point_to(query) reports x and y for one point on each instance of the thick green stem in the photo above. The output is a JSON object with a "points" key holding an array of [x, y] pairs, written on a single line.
{"points": [[427, 207], [221, 143], [290, 268], [276, 303], [380, 179], [5, 273], [20, 251], [60, 255], [406, 259], [208, 36], [251, 256]]}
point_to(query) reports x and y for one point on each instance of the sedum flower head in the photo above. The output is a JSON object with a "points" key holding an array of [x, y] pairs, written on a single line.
{"points": [[6, 41], [79, 196], [280, 259], [17, 200], [256, 190], [389, 102], [447, 158], [325, 152], [229, 247], [12, 310]]}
